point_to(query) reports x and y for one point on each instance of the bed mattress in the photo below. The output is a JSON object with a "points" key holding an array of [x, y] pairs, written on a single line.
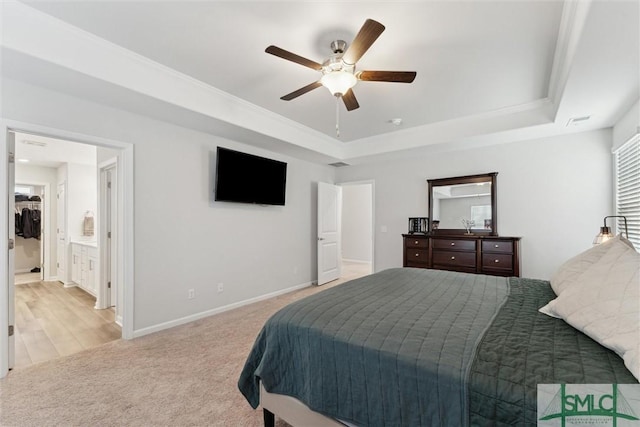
{"points": [[409, 347]]}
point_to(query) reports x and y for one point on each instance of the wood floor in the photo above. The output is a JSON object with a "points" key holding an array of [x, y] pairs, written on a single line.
{"points": [[54, 321], [22, 278]]}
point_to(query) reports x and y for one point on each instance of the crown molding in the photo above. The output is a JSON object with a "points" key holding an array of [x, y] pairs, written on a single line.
{"points": [[486, 124], [572, 22], [47, 38]]}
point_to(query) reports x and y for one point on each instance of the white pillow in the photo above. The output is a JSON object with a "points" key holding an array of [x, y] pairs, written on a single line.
{"points": [[567, 273], [604, 303]]}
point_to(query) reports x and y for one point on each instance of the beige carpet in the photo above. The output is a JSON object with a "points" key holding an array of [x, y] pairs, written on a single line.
{"points": [[184, 376]]}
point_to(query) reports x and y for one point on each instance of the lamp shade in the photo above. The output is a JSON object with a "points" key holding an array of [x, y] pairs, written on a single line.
{"points": [[338, 82], [605, 232], [603, 236]]}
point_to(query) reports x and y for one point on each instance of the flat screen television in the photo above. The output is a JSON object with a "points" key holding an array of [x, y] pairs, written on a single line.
{"points": [[245, 178]]}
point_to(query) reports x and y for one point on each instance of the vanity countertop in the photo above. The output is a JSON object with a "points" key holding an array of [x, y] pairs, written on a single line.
{"points": [[92, 244]]}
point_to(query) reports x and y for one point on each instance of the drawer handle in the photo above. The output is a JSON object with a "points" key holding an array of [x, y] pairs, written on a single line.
{"points": [[416, 242], [453, 257], [417, 254], [496, 246], [496, 260], [453, 243]]}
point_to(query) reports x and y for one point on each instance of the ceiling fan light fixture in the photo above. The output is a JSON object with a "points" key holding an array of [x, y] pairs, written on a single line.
{"points": [[338, 82], [339, 70]]}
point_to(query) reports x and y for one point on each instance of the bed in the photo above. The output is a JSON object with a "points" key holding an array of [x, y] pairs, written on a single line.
{"points": [[410, 347]]}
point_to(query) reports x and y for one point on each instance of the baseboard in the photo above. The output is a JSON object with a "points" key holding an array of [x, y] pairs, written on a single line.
{"points": [[193, 317], [356, 261], [22, 271]]}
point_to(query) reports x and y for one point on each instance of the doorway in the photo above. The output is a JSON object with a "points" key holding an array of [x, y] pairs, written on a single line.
{"points": [[59, 316], [31, 242], [121, 265], [345, 221], [357, 229]]}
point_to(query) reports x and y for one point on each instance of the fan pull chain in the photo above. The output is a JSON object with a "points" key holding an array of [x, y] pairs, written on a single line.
{"points": [[338, 116]]}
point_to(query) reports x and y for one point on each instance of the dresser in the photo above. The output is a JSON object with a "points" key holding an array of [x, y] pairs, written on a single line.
{"points": [[492, 255]]}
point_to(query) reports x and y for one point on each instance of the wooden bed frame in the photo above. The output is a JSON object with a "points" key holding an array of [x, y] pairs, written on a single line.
{"points": [[292, 411]]}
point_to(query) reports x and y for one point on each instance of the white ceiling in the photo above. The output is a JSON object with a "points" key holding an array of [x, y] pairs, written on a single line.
{"points": [[487, 71], [36, 150]]}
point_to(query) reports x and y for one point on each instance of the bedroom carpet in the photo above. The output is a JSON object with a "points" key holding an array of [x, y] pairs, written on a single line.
{"points": [[184, 376]]}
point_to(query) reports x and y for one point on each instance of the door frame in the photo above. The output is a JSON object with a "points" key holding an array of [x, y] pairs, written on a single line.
{"points": [[125, 232], [7, 292], [372, 183], [62, 251]]}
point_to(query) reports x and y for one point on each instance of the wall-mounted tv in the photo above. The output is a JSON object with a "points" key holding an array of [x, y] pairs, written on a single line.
{"points": [[245, 178]]}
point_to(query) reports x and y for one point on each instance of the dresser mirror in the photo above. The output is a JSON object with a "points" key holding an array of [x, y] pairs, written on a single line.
{"points": [[463, 205]]}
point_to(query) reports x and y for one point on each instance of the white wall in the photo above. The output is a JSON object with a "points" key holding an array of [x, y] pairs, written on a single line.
{"points": [[552, 192], [627, 126], [183, 240], [82, 197], [105, 154], [27, 254], [44, 175], [357, 222]]}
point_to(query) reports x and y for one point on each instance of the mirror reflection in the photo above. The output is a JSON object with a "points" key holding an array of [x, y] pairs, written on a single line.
{"points": [[462, 206]]}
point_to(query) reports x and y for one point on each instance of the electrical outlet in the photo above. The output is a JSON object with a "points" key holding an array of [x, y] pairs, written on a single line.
{"points": [[220, 287], [191, 294]]}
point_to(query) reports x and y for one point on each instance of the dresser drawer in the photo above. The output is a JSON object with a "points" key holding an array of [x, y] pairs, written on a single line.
{"points": [[454, 244], [497, 246], [497, 261], [462, 259], [417, 256], [412, 242]]}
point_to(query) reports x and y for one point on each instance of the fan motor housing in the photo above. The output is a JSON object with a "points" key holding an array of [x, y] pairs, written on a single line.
{"points": [[335, 62], [338, 46]]}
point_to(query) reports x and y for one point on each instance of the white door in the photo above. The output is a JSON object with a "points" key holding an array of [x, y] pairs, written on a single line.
{"points": [[109, 286], [112, 215], [11, 183], [329, 212], [43, 229], [61, 233]]}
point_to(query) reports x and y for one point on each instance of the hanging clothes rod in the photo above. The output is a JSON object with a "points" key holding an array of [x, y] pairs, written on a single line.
{"points": [[28, 204]]}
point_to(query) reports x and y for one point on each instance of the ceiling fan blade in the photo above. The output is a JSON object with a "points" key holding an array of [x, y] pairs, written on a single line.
{"points": [[368, 34], [301, 91], [285, 54], [350, 100], [387, 76]]}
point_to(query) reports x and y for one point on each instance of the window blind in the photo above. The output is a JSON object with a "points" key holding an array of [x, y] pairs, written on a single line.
{"points": [[627, 192]]}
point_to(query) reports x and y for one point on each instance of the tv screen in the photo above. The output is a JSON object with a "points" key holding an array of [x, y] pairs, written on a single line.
{"points": [[246, 178]]}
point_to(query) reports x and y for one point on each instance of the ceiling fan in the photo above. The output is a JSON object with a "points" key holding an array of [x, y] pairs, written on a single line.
{"points": [[339, 73]]}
